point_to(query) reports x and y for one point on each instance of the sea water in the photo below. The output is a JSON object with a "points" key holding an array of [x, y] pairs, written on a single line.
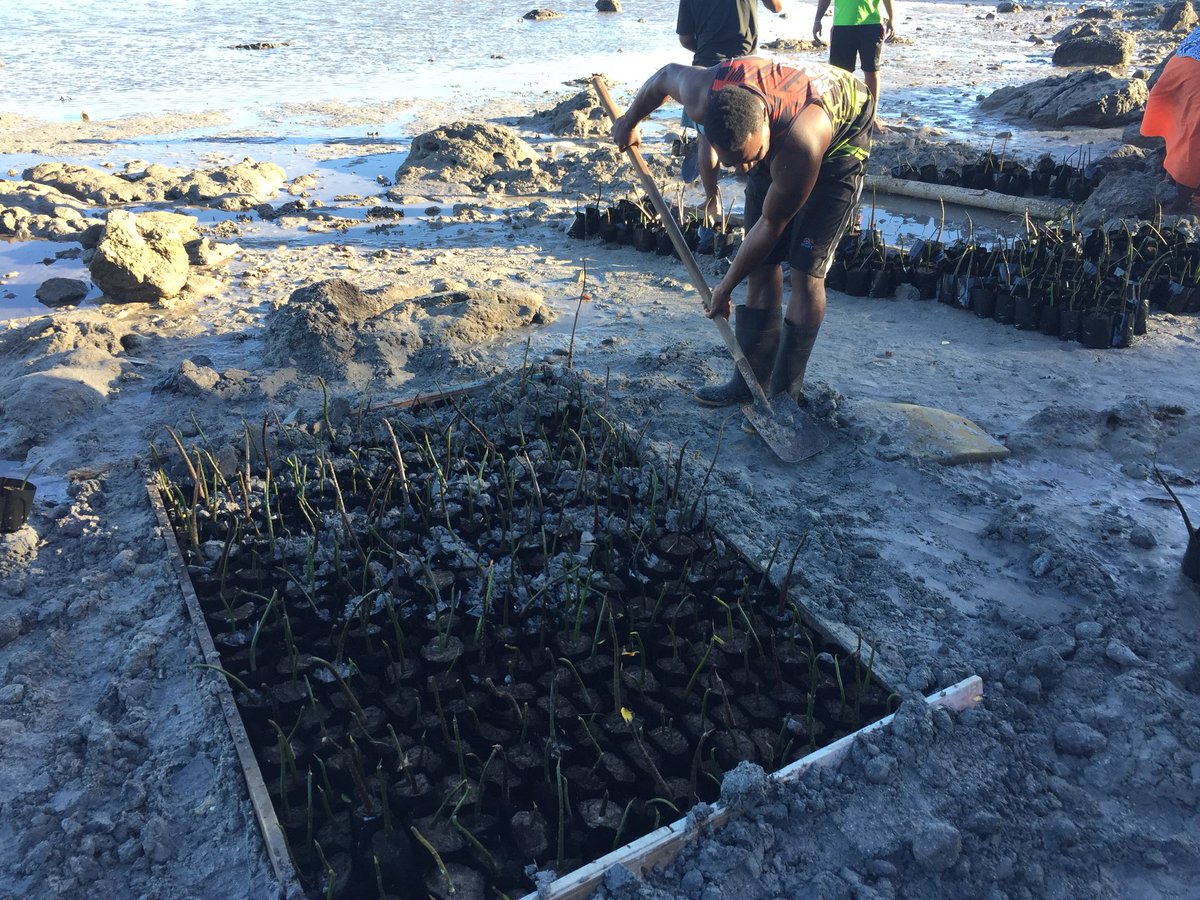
{"points": [[117, 58], [123, 57]]}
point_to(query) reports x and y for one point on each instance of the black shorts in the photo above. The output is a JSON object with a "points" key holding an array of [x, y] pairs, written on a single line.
{"points": [[849, 41], [810, 239]]}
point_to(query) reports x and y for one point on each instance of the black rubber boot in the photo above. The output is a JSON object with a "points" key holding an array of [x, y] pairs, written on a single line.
{"points": [[757, 332], [794, 350]]}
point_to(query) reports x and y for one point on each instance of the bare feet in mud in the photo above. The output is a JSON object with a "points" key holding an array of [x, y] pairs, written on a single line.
{"points": [[877, 126]]}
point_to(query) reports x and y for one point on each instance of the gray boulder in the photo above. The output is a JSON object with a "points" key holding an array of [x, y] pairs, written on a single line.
{"points": [[1092, 97], [139, 262], [55, 292], [1121, 195], [541, 15], [1179, 17], [1108, 48], [608, 5], [1099, 12]]}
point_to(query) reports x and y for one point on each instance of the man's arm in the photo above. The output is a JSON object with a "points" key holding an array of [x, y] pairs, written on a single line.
{"points": [[685, 84], [822, 6], [775, 6], [685, 25], [889, 30], [794, 171]]}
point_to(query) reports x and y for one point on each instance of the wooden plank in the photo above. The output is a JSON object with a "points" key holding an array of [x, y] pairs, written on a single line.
{"points": [[264, 811], [442, 396], [981, 199], [660, 847]]}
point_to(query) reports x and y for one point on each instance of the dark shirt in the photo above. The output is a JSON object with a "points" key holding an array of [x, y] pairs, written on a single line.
{"points": [[724, 29]]}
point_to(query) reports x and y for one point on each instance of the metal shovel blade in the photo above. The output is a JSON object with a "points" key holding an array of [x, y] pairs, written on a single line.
{"points": [[789, 430]]}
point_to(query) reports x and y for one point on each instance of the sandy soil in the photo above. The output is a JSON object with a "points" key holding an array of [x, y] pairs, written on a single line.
{"points": [[1054, 575]]}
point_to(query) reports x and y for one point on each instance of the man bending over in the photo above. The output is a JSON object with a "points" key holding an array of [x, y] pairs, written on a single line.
{"points": [[803, 135]]}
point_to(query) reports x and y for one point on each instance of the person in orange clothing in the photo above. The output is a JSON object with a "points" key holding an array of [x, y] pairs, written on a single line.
{"points": [[1173, 113]]}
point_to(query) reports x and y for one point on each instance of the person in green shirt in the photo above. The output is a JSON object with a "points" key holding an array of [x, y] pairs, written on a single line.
{"points": [[859, 30]]}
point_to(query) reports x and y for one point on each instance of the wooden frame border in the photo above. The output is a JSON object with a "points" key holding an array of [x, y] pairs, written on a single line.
{"points": [[661, 846], [652, 849]]}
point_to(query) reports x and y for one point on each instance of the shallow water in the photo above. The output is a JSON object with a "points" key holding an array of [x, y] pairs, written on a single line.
{"points": [[136, 57], [117, 59]]}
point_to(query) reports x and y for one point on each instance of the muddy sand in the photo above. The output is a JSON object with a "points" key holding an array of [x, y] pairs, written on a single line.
{"points": [[1054, 574]]}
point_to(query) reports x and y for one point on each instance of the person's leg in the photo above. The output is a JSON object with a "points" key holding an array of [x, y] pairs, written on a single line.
{"points": [[758, 322], [818, 228], [871, 52], [1183, 198], [805, 312], [842, 48]]}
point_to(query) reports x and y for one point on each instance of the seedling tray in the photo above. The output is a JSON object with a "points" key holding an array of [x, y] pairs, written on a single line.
{"points": [[481, 631]]}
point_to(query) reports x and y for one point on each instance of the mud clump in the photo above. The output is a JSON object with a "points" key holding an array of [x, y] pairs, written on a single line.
{"points": [[465, 152]]}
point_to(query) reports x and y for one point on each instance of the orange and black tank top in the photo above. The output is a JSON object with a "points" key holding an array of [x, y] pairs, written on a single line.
{"points": [[787, 90]]}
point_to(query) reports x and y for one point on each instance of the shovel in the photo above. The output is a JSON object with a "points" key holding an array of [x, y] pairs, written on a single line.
{"points": [[787, 429]]}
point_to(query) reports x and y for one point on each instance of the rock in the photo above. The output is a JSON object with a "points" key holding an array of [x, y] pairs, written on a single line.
{"points": [[744, 786], [1091, 97], [1098, 12], [465, 152], [12, 694], [1059, 832], [238, 187], [10, 628], [1044, 662], [608, 5], [55, 292], [792, 45], [190, 379], [138, 265], [619, 878], [1061, 640], [207, 252], [541, 15], [1141, 536], [1088, 631], [1119, 653], [936, 846], [261, 45], [1076, 30], [1178, 17], [880, 769], [984, 822], [1007, 6], [1079, 739], [1109, 48], [577, 116], [93, 186], [181, 223]]}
